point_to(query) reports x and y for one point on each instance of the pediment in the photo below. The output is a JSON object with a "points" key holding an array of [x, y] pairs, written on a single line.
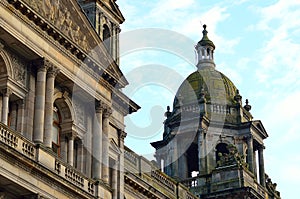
{"points": [[260, 127], [114, 8], [115, 148], [67, 23]]}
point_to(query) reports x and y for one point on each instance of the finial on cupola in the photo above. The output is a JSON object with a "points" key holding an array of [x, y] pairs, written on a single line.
{"points": [[247, 106]]}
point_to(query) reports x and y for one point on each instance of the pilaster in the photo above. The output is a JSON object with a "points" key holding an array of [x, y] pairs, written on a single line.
{"points": [[105, 144], [97, 140]]}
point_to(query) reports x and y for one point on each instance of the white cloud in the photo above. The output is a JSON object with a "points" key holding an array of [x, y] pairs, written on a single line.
{"points": [[279, 58]]}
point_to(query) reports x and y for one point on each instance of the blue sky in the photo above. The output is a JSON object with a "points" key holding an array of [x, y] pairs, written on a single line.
{"points": [[257, 47]]}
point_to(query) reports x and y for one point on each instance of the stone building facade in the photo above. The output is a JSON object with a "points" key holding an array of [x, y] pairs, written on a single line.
{"points": [[211, 143], [62, 112]]}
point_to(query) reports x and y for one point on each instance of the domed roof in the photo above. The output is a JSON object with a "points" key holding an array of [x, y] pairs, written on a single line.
{"points": [[205, 41], [214, 85]]}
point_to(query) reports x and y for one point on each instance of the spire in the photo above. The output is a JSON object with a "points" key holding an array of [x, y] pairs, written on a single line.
{"points": [[205, 49]]}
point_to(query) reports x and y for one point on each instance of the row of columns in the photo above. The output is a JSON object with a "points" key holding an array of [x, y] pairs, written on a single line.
{"points": [[101, 142], [205, 53], [251, 160], [114, 30], [43, 109], [17, 111]]}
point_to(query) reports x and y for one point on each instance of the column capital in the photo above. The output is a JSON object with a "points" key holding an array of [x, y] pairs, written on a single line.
{"points": [[52, 71], [42, 64], [122, 134], [6, 92], [20, 102], [248, 137], [107, 112], [71, 134], [99, 106], [261, 147]]}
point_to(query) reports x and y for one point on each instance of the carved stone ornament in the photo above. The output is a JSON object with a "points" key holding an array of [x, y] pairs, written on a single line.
{"points": [[107, 112], [58, 13], [18, 65], [232, 158]]}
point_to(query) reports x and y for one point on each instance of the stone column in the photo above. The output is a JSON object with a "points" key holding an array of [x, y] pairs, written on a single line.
{"points": [[158, 160], [88, 146], [201, 154], [63, 147], [175, 159], [20, 120], [101, 25], [97, 141], [114, 180], [254, 165], [39, 107], [262, 179], [250, 153], [122, 135], [1, 97], [118, 30], [13, 116], [52, 72], [71, 138], [105, 145], [80, 156], [5, 103]]}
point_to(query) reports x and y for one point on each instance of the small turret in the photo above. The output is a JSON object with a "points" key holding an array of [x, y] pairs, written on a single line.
{"points": [[205, 51]]}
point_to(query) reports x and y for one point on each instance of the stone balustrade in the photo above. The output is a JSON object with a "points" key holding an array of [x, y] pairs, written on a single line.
{"points": [[16, 141], [163, 179], [220, 108], [46, 158], [147, 172], [231, 177], [130, 157], [73, 176]]}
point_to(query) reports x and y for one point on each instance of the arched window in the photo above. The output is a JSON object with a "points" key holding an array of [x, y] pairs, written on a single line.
{"points": [[221, 148], [56, 131], [106, 37]]}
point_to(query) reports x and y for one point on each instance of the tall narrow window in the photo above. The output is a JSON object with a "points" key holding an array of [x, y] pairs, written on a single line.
{"points": [[106, 38], [56, 131]]}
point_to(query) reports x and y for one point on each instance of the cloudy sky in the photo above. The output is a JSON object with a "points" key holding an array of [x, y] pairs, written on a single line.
{"points": [[257, 47]]}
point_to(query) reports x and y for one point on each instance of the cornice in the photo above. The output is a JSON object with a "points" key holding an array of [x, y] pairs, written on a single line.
{"points": [[56, 37]]}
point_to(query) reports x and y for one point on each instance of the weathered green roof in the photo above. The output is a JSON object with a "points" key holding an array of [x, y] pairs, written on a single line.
{"points": [[205, 41], [217, 88]]}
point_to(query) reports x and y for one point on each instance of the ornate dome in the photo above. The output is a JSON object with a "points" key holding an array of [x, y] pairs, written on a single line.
{"points": [[208, 84]]}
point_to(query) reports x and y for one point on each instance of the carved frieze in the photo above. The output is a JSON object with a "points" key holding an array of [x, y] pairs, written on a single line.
{"points": [[59, 13]]}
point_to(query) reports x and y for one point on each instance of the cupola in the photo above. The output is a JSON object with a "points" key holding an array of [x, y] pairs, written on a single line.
{"points": [[205, 51]]}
